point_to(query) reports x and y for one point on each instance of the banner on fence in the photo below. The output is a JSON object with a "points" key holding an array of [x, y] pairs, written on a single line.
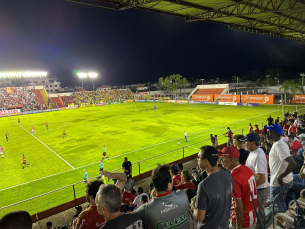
{"points": [[140, 100], [261, 99], [182, 101], [117, 102], [298, 99], [227, 103], [71, 105], [248, 104], [202, 98], [170, 101], [227, 98], [101, 104], [8, 112]]}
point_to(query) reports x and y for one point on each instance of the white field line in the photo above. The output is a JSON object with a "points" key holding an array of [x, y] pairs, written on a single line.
{"points": [[46, 146], [125, 154]]}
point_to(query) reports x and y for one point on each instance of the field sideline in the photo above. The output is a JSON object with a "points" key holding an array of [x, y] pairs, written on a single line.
{"points": [[135, 130]]}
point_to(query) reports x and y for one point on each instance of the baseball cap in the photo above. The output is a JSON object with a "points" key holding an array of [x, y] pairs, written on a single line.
{"points": [[230, 152], [79, 208], [303, 143], [251, 137], [301, 136], [175, 167], [276, 128]]}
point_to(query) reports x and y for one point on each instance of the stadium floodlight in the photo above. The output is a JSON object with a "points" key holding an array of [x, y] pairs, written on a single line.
{"points": [[82, 75], [92, 75]]}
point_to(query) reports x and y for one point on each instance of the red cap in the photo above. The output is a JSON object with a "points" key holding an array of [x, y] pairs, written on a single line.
{"points": [[230, 152]]}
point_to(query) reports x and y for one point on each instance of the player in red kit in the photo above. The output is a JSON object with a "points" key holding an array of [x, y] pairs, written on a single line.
{"points": [[229, 134], [33, 130], [244, 183]]}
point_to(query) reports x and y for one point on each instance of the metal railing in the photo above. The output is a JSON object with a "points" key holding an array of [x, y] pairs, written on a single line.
{"points": [[71, 192]]}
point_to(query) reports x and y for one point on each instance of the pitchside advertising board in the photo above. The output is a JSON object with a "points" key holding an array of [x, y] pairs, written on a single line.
{"points": [[298, 99], [261, 99], [227, 98], [203, 98]]}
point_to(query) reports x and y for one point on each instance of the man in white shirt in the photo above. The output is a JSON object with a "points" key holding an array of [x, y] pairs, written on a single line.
{"points": [[257, 162], [281, 165], [137, 200]]}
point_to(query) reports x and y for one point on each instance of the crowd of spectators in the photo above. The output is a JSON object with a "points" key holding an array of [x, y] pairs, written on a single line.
{"points": [[18, 97], [104, 96], [258, 165]]}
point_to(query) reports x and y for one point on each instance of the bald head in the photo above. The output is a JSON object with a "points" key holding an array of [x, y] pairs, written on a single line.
{"points": [[18, 219]]}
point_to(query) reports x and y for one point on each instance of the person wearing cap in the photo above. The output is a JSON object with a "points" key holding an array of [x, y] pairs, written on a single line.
{"points": [[175, 173], [295, 145], [257, 162], [240, 146], [281, 165], [211, 207], [243, 213], [301, 151], [129, 183]]}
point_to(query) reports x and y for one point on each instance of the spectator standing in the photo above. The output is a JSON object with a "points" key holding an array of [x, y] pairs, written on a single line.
{"points": [[167, 207], [127, 167], [295, 145], [16, 219], [79, 209], [281, 165], [191, 193], [250, 128], [129, 184], [212, 140], [286, 127], [243, 213], [128, 197], [209, 209], [140, 193], [216, 141], [292, 128], [277, 121], [300, 152], [240, 146], [89, 218], [230, 137], [186, 178], [270, 120], [257, 162], [256, 129], [108, 201], [175, 173]]}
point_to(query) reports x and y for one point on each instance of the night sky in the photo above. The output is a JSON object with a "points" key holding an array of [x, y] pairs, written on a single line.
{"points": [[131, 46]]}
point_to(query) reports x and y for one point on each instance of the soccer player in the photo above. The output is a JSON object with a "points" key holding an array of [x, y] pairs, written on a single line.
{"points": [[24, 162], [185, 135], [85, 176], [6, 136], [47, 125], [1, 151], [64, 133], [250, 128], [18, 121], [33, 130], [104, 154], [229, 134], [101, 167]]}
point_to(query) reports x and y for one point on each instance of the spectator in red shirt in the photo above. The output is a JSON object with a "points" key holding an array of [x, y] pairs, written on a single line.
{"points": [[256, 129], [186, 178], [285, 128], [250, 128], [175, 174], [126, 196], [295, 145], [229, 134], [89, 218], [244, 182], [292, 128]]}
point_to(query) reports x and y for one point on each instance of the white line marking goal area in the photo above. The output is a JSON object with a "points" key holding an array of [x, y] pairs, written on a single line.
{"points": [[45, 145]]}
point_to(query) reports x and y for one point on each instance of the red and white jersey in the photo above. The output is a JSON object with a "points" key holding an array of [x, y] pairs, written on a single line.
{"points": [[292, 129], [230, 135], [250, 129], [296, 123], [32, 127], [257, 130], [1, 150], [244, 182]]}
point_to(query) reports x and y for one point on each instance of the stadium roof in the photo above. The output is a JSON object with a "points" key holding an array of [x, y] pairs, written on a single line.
{"points": [[277, 18]]}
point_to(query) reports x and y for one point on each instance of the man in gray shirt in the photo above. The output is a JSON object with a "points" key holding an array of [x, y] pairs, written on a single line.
{"points": [[168, 209], [211, 207]]}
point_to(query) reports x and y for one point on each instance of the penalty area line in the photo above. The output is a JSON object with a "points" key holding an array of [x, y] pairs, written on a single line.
{"points": [[46, 146]]}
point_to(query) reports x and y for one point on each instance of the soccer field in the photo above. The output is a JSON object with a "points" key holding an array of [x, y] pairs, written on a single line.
{"points": [[134, 130]]}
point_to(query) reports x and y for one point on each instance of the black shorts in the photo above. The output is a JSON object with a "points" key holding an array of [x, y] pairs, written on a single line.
{"points": [[104, 154], [101, 169]]}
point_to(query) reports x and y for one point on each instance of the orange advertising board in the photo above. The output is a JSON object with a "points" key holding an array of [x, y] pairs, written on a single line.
{"points": [[262, 99], [298, 99], [227, 98], [205, 98]]}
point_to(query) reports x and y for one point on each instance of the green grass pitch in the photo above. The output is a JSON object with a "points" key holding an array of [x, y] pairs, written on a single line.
{"points": [[134, 130]]}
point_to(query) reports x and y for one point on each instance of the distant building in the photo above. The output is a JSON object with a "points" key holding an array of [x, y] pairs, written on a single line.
{"points": [[104, 88], [142, 88]]}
